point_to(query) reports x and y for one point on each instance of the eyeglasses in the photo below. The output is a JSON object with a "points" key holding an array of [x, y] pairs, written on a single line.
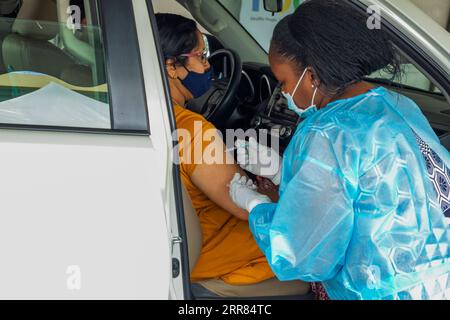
{"points": [[203, 56]]}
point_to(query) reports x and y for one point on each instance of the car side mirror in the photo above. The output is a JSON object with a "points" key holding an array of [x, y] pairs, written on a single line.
{"points": [[273, 6]]}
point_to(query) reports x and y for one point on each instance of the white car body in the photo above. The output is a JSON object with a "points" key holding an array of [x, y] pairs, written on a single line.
{"points": [[96, 215]]}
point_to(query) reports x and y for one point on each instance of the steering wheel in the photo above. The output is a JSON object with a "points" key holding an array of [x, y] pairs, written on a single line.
{"points": [[217, 105]]}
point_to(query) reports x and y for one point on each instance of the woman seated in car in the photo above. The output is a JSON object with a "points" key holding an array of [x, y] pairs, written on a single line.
{"points": [[229, 251]]}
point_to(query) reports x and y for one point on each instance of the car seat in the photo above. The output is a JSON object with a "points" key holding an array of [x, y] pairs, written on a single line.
{"points": [[29, 46], [85, 45]]}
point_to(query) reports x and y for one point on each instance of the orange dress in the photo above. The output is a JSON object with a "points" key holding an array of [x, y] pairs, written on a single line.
{"points": [[229, 251]]}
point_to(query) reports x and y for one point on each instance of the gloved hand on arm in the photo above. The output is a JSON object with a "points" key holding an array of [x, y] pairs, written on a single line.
{"points": [[243, 193], [259, 159]]}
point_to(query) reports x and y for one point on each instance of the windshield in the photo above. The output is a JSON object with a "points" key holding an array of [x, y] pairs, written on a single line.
{"points": [[258, 22], [260, 25]]}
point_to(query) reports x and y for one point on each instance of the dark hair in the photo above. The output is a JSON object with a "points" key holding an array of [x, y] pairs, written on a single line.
{"points": [[334, 39], [178, 35]]}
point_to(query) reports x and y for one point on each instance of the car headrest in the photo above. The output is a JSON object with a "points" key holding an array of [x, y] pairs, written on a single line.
{"points": [[37, 20]]}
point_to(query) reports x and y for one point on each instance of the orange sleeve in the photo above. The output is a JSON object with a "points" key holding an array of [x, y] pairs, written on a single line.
{"points": [[194, 136]]}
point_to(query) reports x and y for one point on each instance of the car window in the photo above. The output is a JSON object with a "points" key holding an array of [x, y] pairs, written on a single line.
{"points": [[410, 76], [260, 23], [52, 66]]}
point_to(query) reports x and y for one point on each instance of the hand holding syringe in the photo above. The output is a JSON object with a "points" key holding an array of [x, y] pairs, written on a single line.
{"points": [[258, 159]]}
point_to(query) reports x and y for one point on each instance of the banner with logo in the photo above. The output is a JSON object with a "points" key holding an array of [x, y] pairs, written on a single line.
{"points": [[260, 23]]}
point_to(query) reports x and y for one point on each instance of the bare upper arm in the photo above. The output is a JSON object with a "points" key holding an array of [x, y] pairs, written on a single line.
{"points": [[213, 178]]}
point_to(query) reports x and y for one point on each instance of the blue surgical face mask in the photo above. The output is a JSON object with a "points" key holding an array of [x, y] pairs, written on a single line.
{"points": [[198, 83], [303, 113]]}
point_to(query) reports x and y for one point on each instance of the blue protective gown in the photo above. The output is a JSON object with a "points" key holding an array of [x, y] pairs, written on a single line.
{"points": [[357, 210]]}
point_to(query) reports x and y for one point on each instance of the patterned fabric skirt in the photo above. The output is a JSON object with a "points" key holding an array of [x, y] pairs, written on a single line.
{"points": [[319, 291]]}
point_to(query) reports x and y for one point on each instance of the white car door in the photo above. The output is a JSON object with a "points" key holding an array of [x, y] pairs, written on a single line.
{"points": [[86, 182]]}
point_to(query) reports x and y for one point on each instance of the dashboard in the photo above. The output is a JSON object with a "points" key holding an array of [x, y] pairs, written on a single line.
{"points": [[262, 105]]}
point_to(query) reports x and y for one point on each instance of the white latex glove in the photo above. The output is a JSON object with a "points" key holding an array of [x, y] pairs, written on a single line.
{"points": [[259, 159], [243, 193]]}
